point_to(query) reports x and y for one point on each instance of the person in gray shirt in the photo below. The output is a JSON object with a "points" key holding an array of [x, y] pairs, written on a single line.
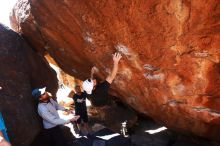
{"points": [[47, 109]]}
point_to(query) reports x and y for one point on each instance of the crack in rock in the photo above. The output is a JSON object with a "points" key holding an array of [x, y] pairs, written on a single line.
{"points": [[204, 109]]}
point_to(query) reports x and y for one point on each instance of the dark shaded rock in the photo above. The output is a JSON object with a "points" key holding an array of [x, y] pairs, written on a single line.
{"points": [[148, 133], [112, 116], [21, 69]]}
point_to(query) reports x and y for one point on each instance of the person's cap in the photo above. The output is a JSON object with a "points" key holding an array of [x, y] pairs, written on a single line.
{"points": [[88, 86], [36, 93]]}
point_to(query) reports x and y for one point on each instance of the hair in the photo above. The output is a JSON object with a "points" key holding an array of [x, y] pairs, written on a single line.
{"points": [[76, 86], [98, 79]]}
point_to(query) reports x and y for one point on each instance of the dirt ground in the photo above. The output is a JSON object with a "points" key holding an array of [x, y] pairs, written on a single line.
{"points": [[145, 133]]}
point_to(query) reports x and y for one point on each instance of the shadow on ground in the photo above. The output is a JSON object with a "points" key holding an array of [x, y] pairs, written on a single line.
{"points": [[149, 133], [145, 133]]}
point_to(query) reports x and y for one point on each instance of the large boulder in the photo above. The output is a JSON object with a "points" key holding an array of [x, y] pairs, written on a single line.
{"points": [[113, 116], [21, 69], [170, 68]]}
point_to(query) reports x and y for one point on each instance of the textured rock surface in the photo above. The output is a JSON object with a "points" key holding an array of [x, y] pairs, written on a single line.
{"points": [[170, 67], [21, 69]]}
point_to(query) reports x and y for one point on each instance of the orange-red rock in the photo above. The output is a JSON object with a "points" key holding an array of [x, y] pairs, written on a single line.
{"points": [[170, 67]]}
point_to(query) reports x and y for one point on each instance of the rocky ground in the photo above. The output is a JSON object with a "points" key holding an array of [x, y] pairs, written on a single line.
{"points": [[142, 135], [145, 133]]}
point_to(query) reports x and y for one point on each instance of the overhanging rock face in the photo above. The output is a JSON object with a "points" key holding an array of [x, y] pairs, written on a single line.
{"points": [[170, 68]]}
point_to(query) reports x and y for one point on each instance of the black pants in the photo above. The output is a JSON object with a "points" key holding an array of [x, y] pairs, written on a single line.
{"points": [[55, 136], [83, 115]]}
